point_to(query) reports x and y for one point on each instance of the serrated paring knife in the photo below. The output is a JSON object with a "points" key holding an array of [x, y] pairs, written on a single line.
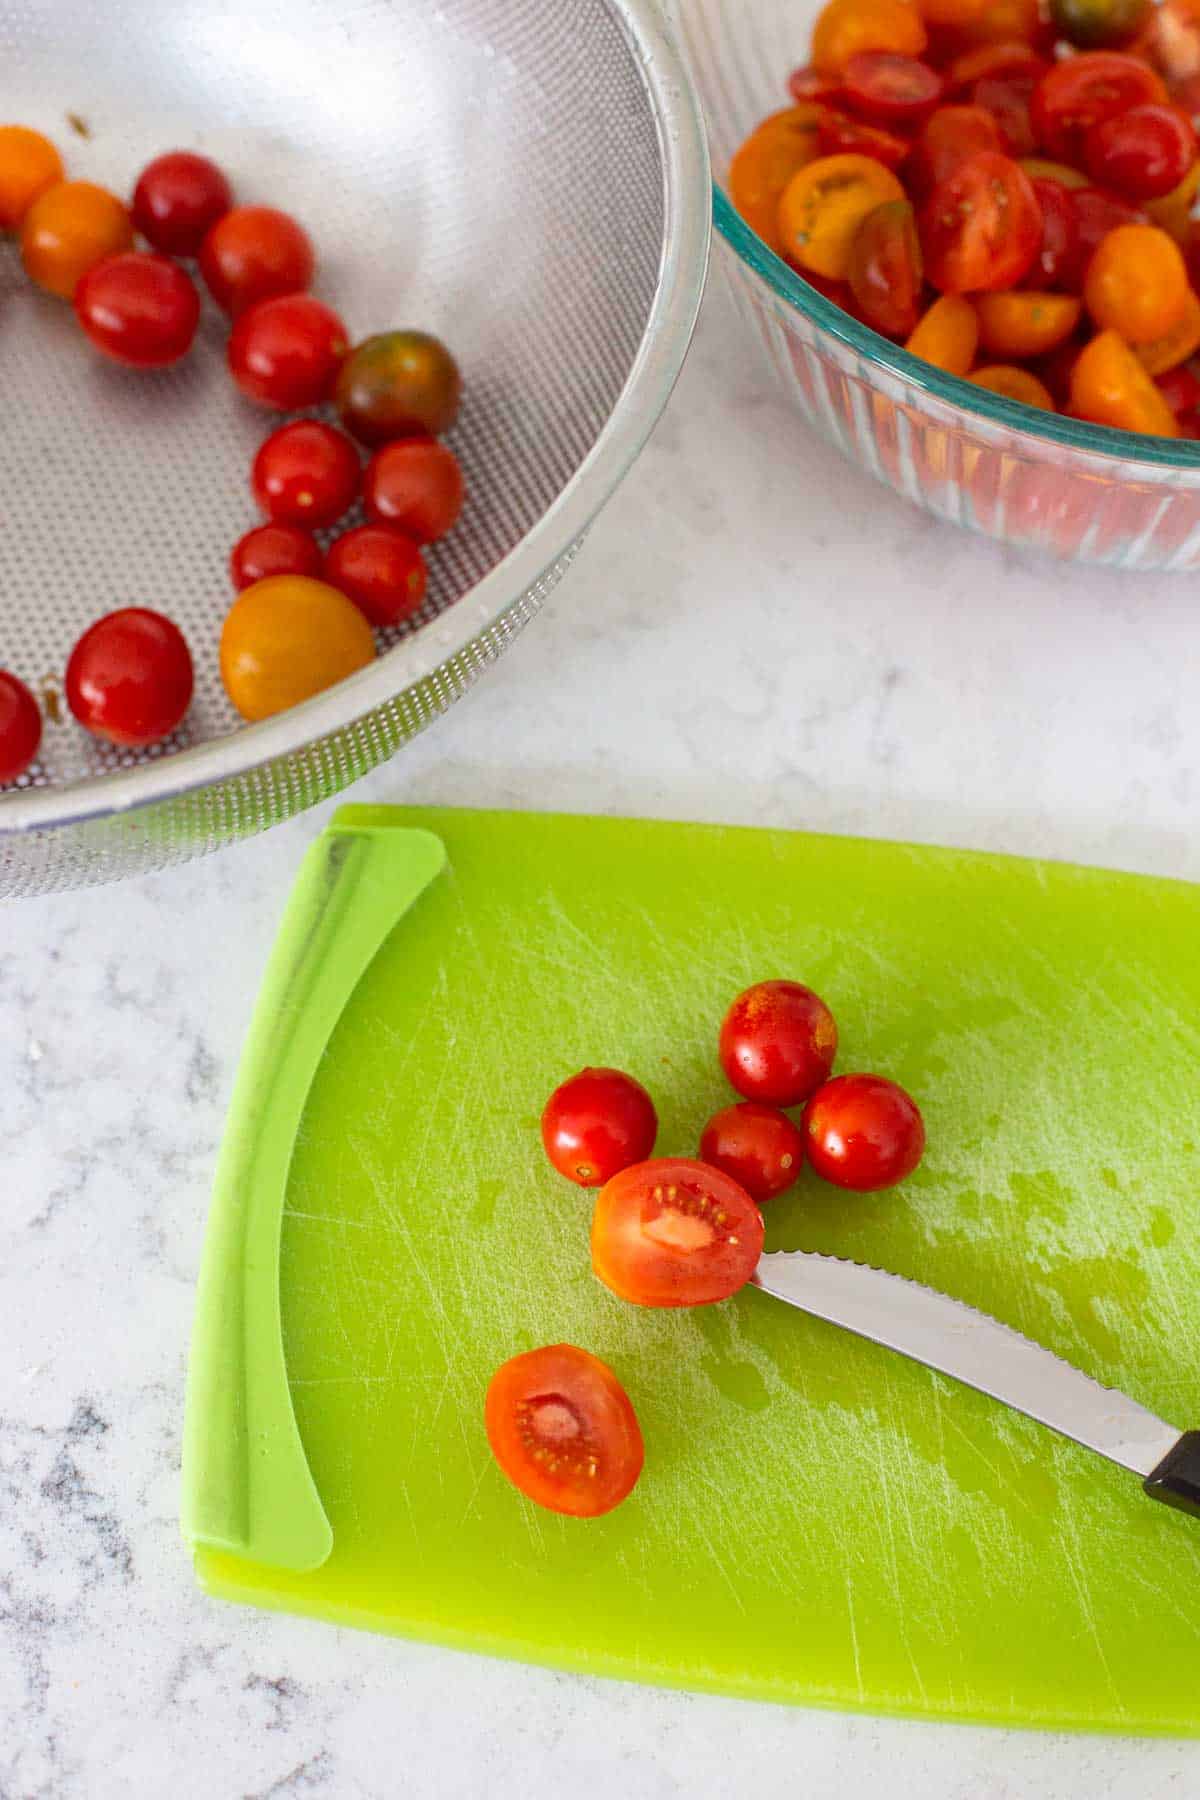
{"points": [[949, 1336]]}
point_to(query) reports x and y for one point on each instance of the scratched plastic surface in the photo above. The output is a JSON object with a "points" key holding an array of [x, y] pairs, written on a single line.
{"points": [[818, 1520]]}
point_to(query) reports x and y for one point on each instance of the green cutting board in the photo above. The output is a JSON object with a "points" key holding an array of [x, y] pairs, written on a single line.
{"points": [[819, 1520]]}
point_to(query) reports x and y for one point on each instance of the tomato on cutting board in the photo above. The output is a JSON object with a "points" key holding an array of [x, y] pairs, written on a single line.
{"points": [[674, 1232], [563, 1430], [759, 1146], [598, 1123], [863, 1132], [777, 1042]]}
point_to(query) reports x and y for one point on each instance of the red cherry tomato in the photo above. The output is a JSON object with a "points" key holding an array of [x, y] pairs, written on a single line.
{"points": [[306, 473], [949, 137], [20, 727], [129, 678], [139, 309], [1142, 153], [889, 89], [981, 227], [415, 485], [563, 1430], [863, 1132], [255, 253], [758, 1145], [275, 550], [991, 59], [886, 270], [1079, 92], [598, 1123], [1008, 96], [778, 1041], [178, 199], [1056, 260], [840, 135], [286, 353], [672, 1232], [381, 570], [1180, 388], [1096, 214]]}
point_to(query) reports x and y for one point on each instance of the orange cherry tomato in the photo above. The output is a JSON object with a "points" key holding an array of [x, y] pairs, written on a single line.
{"points": [[846, 27], [563, 1430], [952, 15], [29, 164], [69, 229], [1014, 384], [1110, 387], [981, 227], [824, 205], [1137, 283], [1002, 22], [674, 1232], [948, 335], [1024, 323], [766, 162], [285, 639], [1176, 345], [886, 269]]}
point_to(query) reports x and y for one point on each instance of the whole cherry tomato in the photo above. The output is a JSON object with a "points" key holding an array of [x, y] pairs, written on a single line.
{"points": [[886, 269], [766, 163], [286, 353], [777, 1043], [863, 1132], [888, 89], [757, 1145], [380, 570], [138, 308], [178, 199], [843, 135], [287, 638], [1137, 283], [1099, 24], [563, 1431], [949, 137], [129, 678], [306, 473], [948, 335], [981, 226], [274, 550], [1025, 323], [29, 164], [1056, 260], [1076, 94], [673, 1232], [1143, 153], [1015, 384], [1110, 387], [69, 229], [824, 205], [255, 253], [398, 384], [846, 27], [20, 727], [416, 485], [598, 1123]]}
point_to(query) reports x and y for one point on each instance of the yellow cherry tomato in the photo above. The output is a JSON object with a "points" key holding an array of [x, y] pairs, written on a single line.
{"points": [[1014, 384], [285, 639], [844, 27], [824, 205], [766, 162], [1021, 323], [1137, 283], [1176, 345], [948, 335], [29, 164], [1110, 387], [69, 229]]}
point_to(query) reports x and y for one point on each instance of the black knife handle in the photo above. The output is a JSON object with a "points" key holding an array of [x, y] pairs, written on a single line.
{"points": [[1177, 1477]]}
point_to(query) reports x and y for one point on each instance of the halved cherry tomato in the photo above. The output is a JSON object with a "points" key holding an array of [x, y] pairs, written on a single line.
{"points": [[1040, 168], [766, 163], [306, 473], [777, 1042], [842, 135], [274, 550], [949, 137], [178, 199], [20, 727], [981, 226], [1096, 214], [948, 335], [1137, 283], [287, 638], [1173, 212], [1076, 94], [863, 1132], [1143, 153], [1176, 345], [129, 678], [757, 1145], [1099, 24], [398, 384], [29, 165], [138, 308], [1022, 323], [1009, 97], [255, 253], [1171, 39], [381, 570], [598, 1123], [67, 230], [1015, 384], [416, 485], [845, 27], [807, 83], [824, 205], [889, 89], [1180, 388], [673, 1232], [1056, 260], [991, 59], [563, 1430], [1110, 387], [886, 269], [286, 353]]}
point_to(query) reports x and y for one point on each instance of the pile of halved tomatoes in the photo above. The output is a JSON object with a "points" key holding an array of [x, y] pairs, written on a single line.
{"points": [[306, 611], [1004, 188]]}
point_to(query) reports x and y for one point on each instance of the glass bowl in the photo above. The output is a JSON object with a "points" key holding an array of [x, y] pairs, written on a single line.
{"points": [[1028, 478]]}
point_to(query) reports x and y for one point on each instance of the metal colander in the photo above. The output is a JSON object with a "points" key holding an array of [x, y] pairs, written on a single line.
{"points": [[526, 178]]}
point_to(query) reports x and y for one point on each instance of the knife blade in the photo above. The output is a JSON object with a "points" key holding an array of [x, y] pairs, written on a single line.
{"points": [[948, 1335]]}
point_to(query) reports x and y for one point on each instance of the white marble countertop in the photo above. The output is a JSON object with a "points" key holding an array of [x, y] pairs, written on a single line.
{"points": [[755, 632]]}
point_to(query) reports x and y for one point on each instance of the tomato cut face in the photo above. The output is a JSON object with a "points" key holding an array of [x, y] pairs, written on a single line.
{"points": [[885, 270], [981, 227], [1076, 94], [673, 1232], [1056, 260], [563, 1430], [949, 137], [889, 89]]}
